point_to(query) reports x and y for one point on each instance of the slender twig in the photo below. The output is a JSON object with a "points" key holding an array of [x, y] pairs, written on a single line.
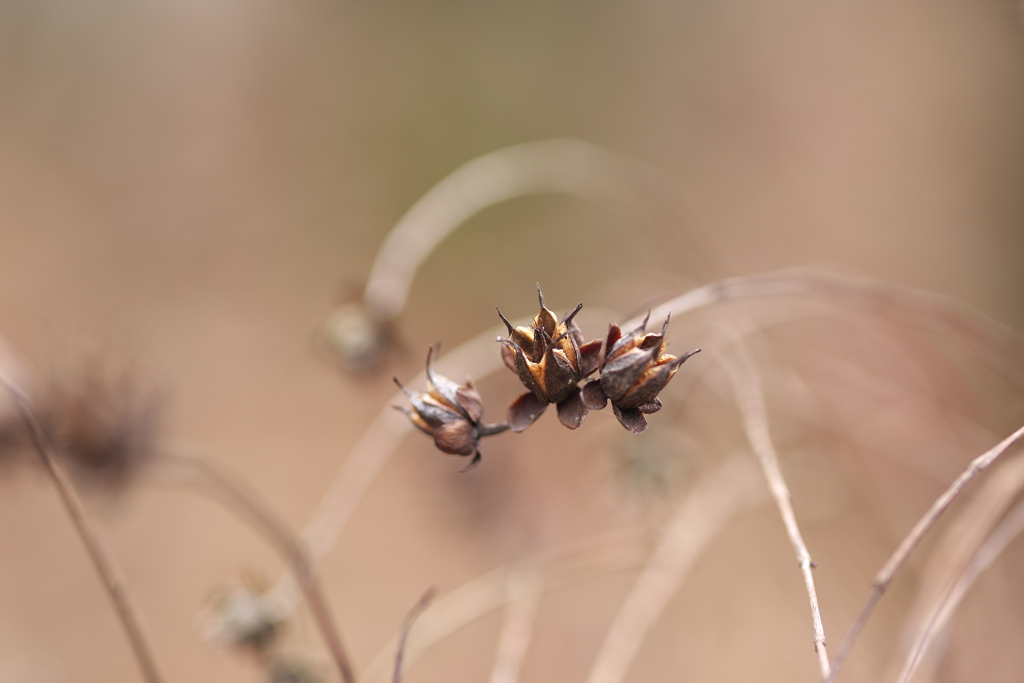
{"points": [[410, 619], [248, 503], [524, 590], [714, 501], [1009, 529], [899, 557], [746, 382], [102, 559]]}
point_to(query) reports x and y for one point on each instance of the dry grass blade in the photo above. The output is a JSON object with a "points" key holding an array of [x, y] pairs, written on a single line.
{"points": [[607, 554], [953, 553], [417, 609], [1010, 528], [714, 501], [749, 393], [102, 559], [524, 590], [899, 557]]}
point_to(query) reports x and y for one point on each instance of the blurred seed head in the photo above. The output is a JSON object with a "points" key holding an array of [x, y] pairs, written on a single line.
{"points": [[356, 340], [245, 617], [102, 419]]}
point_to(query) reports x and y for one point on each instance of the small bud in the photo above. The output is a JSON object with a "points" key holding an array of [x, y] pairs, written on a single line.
{"points": [[634, 370], [450, 413]]}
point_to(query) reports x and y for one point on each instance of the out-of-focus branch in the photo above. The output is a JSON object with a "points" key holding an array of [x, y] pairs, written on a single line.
{"points": [[102, 559], [923, 526], [704, 512], [1009, 529], [524, 591]]}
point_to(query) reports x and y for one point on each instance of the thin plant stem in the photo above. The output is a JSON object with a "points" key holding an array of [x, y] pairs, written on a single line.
{"points": [[1009, 529], [714, 501], [606, 554], [524, 591], [103, 561], [403, 635], [563, 166], [746, 382], [273, 528], [923, 526]]}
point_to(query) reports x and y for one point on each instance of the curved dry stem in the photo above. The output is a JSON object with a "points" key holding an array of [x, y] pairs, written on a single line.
{"points": [[712, 503], [564, 166], [615, 552], [238, 496], [524, 591], [899, 557], [410, 619], [954, 551], [746, 382], [102, 559], [1009, 529]]}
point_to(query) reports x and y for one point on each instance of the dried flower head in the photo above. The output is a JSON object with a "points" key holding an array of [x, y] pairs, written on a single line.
{"points": [[550, 359], [634, 370], [449, 412]]}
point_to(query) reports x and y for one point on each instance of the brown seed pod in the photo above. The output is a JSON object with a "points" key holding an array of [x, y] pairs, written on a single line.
{"points": [[550, 359], [634, 369], [449, 412]]}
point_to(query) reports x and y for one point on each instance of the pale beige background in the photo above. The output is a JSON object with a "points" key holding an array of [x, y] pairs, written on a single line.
{"points": [[198, 183]]}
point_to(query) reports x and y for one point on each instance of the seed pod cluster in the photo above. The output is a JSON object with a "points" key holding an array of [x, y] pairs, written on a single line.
{"points": [[556, 365]]}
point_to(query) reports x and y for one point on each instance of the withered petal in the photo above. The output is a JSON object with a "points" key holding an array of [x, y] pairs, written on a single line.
{"points": [[508, 357], [647, 386], [432, 412], [559, 376], [593, 395], [614, 335], [619, 375], [627, 342], [567, 320], [631, 418], [469, 400], [590, 357], [524, 410], [545, 320], [652, 406], [505, 320], [572, 411], [523, 369], [440, 387], [416, 420], [472, 463], [458, 437]]}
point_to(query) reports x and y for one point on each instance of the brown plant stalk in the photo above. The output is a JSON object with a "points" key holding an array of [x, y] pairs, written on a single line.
{"points": [[749, 393], [103, 561], [239, 496], [885, 576]]}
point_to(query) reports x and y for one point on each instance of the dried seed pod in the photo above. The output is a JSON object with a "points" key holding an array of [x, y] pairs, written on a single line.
{"points": [[550, 359], [449, 412], [634, 370]]}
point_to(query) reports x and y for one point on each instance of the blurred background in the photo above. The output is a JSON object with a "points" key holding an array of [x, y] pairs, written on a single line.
{"points": [[194, 186]]}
